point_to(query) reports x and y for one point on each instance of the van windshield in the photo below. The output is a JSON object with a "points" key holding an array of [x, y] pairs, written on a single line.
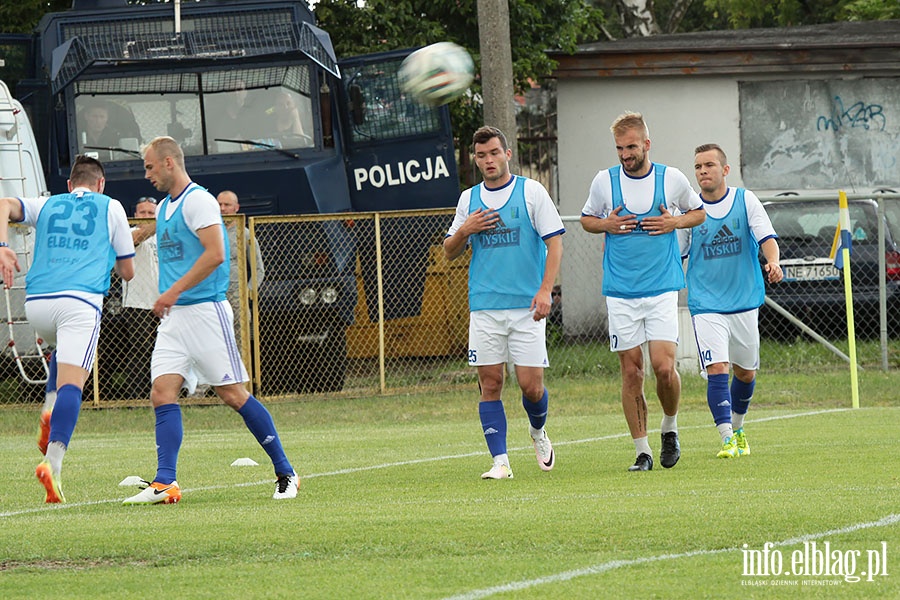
{"points": [[208, 113]]}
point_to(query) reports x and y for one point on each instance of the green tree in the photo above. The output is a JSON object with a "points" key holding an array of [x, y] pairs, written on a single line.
{"points": [[870, 10], [22, 16], [742, 14]]}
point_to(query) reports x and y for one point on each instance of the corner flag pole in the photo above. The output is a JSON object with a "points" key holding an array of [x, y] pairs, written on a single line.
{"points": [[848, 294]]}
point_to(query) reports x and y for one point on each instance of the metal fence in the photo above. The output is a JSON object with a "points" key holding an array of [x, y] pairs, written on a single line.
{"points": [[811, 301], [365, 303]]}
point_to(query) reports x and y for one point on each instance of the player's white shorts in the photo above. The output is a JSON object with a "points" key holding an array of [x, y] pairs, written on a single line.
{"points": [[199, 339], [71, 324], [633, 321], [730, 338], [511, 335]]}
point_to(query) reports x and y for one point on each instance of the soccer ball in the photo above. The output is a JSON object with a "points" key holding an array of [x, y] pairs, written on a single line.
{"points": [[436, 74]]}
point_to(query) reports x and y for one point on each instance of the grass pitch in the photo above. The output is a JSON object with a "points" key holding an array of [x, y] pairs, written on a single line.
{"points": [[391, 504]]}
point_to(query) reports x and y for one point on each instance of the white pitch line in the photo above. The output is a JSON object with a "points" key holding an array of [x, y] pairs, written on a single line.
{"points": [[401, 463], [892, 519]]}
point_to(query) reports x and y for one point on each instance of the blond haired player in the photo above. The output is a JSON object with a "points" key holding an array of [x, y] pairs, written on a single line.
{"points": [[196, 334], [638, 205]]}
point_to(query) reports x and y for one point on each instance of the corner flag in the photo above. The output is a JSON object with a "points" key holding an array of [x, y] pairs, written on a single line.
{"points": [[842, 236], [840, 253]]}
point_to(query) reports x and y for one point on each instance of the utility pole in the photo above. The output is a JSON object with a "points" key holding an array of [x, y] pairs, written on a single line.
{"points": [[496, 71]]}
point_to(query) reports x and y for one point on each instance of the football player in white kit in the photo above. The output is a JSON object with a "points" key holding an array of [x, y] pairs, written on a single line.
{"points": [[79, 237], [638, 205], [196, 334], [515, 233], [725, 291]]}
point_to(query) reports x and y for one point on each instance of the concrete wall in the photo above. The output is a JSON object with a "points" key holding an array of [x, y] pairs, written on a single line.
{"points": [[682, 113]]}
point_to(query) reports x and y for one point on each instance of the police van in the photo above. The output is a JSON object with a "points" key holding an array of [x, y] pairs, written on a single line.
{"points": [[261, 105]]}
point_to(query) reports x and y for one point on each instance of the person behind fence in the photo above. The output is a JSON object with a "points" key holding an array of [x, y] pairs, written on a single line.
{"points": [[638, 205], [228, 205], [725, 291], [87, 232], [515, 233], [138, 297], [196, 332]]}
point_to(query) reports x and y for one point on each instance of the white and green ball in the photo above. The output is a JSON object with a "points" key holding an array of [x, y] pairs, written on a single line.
{"points": [[436, 74]]}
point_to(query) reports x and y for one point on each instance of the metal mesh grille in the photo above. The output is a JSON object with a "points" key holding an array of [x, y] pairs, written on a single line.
{"points": [[226, 33], [174, 83], [377, 88], [296, 78], [209, 37]]}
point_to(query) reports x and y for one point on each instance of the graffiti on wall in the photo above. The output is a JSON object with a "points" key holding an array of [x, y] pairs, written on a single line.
{"points": [[820, 134]]}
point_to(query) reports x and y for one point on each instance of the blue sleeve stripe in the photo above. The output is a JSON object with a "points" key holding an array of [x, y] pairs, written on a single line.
{"points": [[24, 215]]}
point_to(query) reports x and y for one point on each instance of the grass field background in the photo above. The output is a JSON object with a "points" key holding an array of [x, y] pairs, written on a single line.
{"points": [[392, 506]]}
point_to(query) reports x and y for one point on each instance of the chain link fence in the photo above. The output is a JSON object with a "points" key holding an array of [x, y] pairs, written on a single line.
{"points": [[365, 303], [358, 303]]}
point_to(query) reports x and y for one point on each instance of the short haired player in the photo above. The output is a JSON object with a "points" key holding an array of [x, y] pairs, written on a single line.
{"points": [[515, 232], [638, 205], [725, 291], [196, 334], [79, 237]]}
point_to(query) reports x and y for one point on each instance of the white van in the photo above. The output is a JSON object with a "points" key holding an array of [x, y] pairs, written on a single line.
{"points": [[20, 162], [22, 175]]}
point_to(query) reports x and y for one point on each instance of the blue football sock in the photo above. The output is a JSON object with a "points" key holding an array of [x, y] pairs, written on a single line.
{"points": [[741, 394], [537, 411], [51, 374], [169, 434], [718, 398], [259, 422], [493, 423], [65, 414]]}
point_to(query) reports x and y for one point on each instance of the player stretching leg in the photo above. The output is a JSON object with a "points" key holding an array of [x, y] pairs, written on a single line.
{"points": [[196, 334]]}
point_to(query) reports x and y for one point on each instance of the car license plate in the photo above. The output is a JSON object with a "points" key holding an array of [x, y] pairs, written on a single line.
{"points": [[811, 272]]}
